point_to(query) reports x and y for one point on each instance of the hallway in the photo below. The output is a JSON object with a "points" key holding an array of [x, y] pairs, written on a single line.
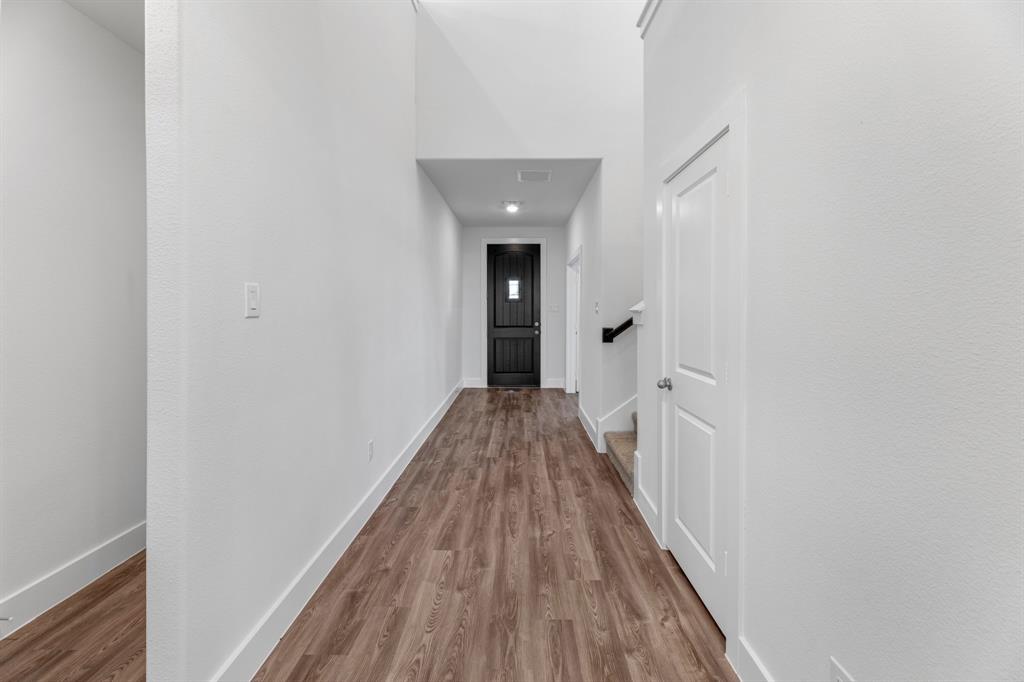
{"points": [[509, 550], [98, 633]]}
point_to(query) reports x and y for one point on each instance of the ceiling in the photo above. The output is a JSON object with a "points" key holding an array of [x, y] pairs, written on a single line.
{"points": [[476, 188], [123, 18]]}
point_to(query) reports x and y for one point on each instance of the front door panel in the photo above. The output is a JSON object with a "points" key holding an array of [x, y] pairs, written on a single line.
{"points": [[513, 315]]}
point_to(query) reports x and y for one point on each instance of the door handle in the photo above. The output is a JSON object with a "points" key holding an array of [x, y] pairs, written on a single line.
{"points": [[536, 331], [665, 383]]}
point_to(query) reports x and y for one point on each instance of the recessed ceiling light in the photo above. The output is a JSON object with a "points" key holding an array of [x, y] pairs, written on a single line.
{"points": [[512, 206]]}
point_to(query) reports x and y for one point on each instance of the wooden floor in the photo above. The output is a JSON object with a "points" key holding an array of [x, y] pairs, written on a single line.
{"points": [[97, 634], [508, 550]]}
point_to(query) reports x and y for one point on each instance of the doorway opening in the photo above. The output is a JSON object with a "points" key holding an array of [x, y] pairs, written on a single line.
{"points": [[573, 289]]}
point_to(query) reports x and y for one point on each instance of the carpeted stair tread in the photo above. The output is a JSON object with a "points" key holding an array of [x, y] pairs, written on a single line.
{"points": [[621, 448]]}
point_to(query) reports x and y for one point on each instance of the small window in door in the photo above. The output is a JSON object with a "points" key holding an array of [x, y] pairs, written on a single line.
{"points": [[513, 290]]}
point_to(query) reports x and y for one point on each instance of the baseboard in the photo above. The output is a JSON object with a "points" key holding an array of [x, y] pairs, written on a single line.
{"points": [[553, 383], [748, 665], [617, 419], [474, 382], [246, 660], [589, 427], [36, 598], [643, 502]]}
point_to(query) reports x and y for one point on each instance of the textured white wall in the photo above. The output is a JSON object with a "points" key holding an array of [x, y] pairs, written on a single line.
{"points": [[274, 159], [884, 468], [72, 291], [552, 357], [572, 89]]}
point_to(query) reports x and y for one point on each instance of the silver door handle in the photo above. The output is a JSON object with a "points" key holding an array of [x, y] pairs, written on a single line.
{"points": [[665, 383], [536, 331]]}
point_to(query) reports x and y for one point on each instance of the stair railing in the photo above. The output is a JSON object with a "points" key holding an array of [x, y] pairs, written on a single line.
{"points": [[608, 334]]}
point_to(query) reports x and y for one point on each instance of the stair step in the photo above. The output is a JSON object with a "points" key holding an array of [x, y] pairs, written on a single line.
{"points": [[621, 448]]}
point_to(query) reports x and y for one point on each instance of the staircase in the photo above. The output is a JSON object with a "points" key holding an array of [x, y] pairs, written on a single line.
{"points": [[621, 448]]}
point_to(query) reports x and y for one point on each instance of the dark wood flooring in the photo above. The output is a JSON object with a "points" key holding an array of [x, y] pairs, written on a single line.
{"points": [[508, 550], [97, 634]]}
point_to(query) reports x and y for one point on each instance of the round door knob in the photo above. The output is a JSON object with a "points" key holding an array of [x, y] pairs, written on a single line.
{"points": [[536, 331], [665, 383]]}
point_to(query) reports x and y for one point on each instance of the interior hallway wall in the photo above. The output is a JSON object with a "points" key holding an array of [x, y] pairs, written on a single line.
{"points": [[276, 160], [583, 234], [572, 89], [72, 305], [552, 358], [884, 468]]}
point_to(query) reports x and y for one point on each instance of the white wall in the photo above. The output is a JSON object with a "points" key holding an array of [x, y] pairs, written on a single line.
{"points": [[884, 468], [274, 159], [552, 356], [72, 317], [583, 234], [573, 89]]}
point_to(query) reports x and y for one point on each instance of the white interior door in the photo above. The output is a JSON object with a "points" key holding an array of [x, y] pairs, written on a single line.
{"points": [[700, 418]]}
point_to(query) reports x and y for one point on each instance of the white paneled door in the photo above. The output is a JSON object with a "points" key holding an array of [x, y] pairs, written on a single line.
{"points": [[701, 418]]}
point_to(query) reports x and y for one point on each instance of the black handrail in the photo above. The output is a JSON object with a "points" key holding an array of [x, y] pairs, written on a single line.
{"points": [[608, 334]]}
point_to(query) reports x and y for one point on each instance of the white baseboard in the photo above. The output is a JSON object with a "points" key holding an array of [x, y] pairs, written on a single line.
{"points": [[617, 419], [748, 665], [474, 382], [551, 382], [589, 427], [643, 501], [248, 657], [36, 598]]}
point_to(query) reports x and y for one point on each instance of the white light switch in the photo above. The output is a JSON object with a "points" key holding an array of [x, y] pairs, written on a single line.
{"points": [[252, 299]]}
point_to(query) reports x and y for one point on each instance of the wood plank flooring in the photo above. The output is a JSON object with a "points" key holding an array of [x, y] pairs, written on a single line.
{"points": [[506, 551], [99, 633]]}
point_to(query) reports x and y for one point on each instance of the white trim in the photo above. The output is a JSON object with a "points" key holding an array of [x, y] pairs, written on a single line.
{"points": [[588, 426], [474, 382], [573, 289], [643, 502], [249, 655], [416, 6], [618, 419], [31, 601], [553, 382], [647, 17], [744, 660], [484, 241]]}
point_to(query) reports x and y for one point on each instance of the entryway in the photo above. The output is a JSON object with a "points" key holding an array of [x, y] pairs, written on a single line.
{"points": [[513, 315]]}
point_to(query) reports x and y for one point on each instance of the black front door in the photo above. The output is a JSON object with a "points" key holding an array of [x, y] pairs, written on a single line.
{"points": [[513, 315]]}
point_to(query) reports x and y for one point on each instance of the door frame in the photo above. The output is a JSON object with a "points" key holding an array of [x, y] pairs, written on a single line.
{"points": [[573, 289], [731, 119], [485, 350]]}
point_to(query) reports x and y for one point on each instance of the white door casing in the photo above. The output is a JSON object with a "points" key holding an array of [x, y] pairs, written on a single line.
{"points": [[573, 284], [703, 215]]}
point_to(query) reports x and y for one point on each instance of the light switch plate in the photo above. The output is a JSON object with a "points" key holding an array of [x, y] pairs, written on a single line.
{"points": [[252, 299]]}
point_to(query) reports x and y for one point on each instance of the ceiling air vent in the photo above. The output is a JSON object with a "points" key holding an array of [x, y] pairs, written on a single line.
{"points": [[534, 176]]}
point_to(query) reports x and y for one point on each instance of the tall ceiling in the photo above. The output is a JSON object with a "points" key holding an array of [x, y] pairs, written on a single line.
{"points": [[476, 189], [123, 18]]}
